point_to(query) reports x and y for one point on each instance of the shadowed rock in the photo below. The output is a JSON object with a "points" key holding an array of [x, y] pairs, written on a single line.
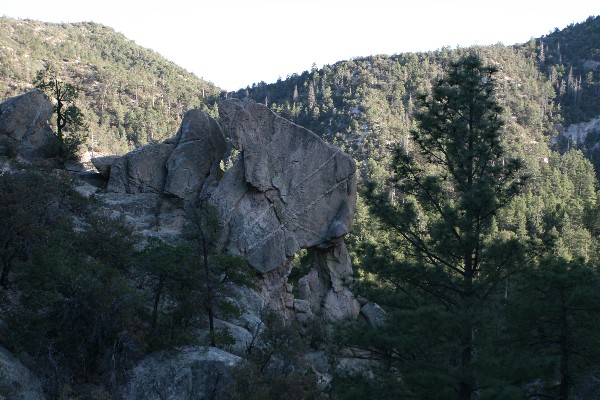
{"points": [[289, 190], [179, 166], [141, 171], [190, 373], [197, 156], [16, 381]]}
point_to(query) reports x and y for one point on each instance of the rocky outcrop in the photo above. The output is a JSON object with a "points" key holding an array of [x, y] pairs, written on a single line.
{"points": [[325, 288], [104, 164], [16, 381], [24, 129], [301, 193], [189, 374], [179, 166], [142, 170], [197, 156], [577, 133], [374, 314], [289, 190]]}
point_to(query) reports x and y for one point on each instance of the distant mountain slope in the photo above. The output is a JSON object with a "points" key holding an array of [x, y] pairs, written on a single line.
{"points": [[570, 58], [131, 95], [366, 104]]}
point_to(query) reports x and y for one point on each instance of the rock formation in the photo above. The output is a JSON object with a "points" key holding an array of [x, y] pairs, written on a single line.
{"points": [[24, 129], [289, 190], [179, 166], [16, 381], [301, 190], [191, 373]]}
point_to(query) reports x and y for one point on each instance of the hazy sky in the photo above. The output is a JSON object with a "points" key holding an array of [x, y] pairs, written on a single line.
{"points": [[234, 43]]}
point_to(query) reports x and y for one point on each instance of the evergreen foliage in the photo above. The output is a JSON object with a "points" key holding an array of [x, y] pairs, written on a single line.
{"points": [[571, 58], [130, 95], [69, 117], [28, 200], [450, 187], [488, 279]]}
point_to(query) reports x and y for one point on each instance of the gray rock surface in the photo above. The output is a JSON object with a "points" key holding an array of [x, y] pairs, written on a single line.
{"points": [[242, 337], [197, 156], [192, 373], [288, 190], [16, 381], [24, 125], [179, 166], [373, 313], [141, 171], [150, 214], [302, 191], [103, 164], [325, 287]]}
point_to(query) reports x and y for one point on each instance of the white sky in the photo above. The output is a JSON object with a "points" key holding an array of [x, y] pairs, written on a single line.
{"points": [[234, 43]]}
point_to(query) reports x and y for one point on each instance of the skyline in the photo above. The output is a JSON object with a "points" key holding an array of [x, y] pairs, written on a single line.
{"points": [[235, 43]]}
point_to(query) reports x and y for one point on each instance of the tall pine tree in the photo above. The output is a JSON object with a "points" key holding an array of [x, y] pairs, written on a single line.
{"points": [[443, 263]]}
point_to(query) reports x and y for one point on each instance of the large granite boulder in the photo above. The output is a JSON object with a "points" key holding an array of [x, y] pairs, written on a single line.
{"points": [[196, 158], [24, 128], [104, 164], [290, 190], [16, 381], [189, 374], [141, 171]]}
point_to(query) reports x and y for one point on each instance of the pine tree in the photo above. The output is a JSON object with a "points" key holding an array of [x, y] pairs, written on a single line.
{"points": [[446, 264], [68, 116]]}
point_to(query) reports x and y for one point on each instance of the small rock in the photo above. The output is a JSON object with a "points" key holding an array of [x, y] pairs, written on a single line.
{"points": [[374, 314]]}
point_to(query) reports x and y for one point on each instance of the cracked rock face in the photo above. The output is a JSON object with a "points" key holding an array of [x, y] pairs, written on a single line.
{"points": [[289, 191]]}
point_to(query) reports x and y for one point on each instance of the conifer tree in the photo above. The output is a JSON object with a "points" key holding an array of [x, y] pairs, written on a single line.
{"points": [[68, 116], [442, 265]]}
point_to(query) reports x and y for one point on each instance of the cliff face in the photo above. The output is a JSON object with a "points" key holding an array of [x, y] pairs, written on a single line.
{"points": [[288, 191]]}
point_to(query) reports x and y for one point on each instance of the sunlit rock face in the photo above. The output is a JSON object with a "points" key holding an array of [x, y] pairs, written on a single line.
{"points": [[24, 129]]}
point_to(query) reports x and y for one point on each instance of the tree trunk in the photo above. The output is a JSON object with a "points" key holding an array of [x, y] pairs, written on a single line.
{"points": [[5, 272], [467, 384], [6, 267], [159, 289]]}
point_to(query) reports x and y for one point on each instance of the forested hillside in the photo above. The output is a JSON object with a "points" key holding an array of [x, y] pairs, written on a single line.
{"points": [[570, 59], [129, 95], [542, 243], [475, 242]]}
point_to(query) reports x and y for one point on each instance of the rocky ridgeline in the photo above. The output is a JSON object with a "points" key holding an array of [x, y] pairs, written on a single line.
{"points": [[287, 191]]}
